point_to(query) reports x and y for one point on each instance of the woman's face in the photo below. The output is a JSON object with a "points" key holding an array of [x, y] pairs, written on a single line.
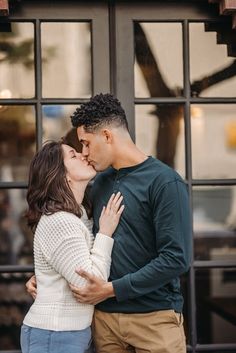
{"points": [[77, 167]]}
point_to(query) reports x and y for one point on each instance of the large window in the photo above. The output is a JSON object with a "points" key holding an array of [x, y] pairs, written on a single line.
{"points": [[50, 62], [180, 76], [169, 65]]}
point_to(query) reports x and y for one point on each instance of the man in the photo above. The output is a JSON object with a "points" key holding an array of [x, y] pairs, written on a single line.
{"points": [[140, 308]]}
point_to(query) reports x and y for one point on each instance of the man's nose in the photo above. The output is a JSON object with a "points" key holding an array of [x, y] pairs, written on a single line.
{"points": [[85, 151]]}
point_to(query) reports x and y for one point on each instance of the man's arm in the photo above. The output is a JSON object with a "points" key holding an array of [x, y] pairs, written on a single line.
{"points": [[95, 291], [173, 239], [31, 286], [171, 220]]}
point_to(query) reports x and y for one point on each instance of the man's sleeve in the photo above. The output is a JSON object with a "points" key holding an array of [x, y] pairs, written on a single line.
{"points": [[173, 244]]}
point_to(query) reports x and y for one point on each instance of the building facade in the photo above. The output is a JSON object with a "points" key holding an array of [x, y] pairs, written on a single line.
{"points": [[172, 65]]}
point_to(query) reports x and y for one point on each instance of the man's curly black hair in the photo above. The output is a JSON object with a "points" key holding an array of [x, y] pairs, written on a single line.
{"points": [[100, 110]]}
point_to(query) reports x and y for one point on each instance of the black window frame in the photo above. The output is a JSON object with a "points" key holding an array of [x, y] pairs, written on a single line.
{"points": [[117, 77]]}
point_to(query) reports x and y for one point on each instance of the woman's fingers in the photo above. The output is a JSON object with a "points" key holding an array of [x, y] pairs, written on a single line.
{"points": [[113, 204], [110, 201], [116, 198], [103, 211], [110, 214], [116, 203], [121, 209]]}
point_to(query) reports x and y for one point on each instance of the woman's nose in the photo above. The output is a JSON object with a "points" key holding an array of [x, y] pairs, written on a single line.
{"points": [[79, 155]]}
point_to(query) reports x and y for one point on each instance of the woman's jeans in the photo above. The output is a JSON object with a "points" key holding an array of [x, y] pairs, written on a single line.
{"points": [[35, 340]]}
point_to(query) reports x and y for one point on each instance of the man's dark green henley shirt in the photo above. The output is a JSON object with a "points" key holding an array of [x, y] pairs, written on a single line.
{"points": [[152, 243]]}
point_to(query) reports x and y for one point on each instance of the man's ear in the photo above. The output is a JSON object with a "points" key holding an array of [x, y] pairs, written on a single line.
{"points": [[108, 136]]}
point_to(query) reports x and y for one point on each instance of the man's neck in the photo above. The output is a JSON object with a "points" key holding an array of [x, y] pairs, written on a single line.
{"points": [[127, 156]]}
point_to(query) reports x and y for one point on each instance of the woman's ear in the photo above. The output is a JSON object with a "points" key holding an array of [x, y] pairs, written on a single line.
{"points": [[68, 179]]}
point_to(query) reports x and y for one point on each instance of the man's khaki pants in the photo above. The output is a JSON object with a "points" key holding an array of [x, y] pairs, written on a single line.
{"points": [[156, 332]]}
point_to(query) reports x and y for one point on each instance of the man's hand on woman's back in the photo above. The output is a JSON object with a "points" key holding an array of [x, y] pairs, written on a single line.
{"points": [[31, 286]]}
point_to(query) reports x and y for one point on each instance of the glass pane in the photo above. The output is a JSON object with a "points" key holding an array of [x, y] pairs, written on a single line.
{"points": [[17, 141], [186, 309], [213, 128], [17, 61], [212, 69], [159, 131], [15, 237], [158, 67], [214, 222], [66, 55], [216, 305], [213, 351], [56, 121], [14, 303]]}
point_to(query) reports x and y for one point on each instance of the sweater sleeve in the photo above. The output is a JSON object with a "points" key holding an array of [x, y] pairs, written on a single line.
{"points": [[173, 245], [64, 245]]}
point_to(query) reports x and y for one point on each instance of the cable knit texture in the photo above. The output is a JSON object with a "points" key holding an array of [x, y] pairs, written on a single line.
{"points": [[62, 243]]}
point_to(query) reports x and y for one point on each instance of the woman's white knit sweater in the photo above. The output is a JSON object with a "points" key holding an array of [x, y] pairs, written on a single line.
{"points": [[62, 243]]}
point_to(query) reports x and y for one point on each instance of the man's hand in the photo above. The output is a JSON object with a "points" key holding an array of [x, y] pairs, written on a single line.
{"points": [[94, 292], [31, 286]]}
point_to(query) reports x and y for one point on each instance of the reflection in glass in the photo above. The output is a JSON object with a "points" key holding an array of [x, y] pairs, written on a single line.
{"points": [[216, 305], [15, 237], [56, 121], [214, 222], [66, 49], [215, 351], [17, 61], [17, 141], [213, 129], [212, 69], [158, 65], [159, 131], [14, 303], [186, 309]]}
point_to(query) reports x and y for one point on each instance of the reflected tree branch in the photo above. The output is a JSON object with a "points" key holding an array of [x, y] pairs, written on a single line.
{"points": [[207, 81], [169, 116], [149, 66]]}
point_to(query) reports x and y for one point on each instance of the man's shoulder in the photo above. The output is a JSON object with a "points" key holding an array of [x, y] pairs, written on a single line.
{"points": [[162, 171]]}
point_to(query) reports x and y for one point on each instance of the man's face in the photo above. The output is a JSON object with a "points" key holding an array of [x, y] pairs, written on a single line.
{"points": [[95, 149]]}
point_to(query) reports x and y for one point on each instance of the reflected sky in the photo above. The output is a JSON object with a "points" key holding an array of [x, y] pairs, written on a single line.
{"points": [[17, 61], [208, 58], [17, 141], [66, 51], [214, 222], [159, 131], [213, 146], [158, 67]]}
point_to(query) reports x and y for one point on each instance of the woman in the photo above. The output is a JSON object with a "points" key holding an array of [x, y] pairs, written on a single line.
{"points": [[63, 242]]}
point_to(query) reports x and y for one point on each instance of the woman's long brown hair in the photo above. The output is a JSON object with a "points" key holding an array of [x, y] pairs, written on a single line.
{"points": [[48, 189]]}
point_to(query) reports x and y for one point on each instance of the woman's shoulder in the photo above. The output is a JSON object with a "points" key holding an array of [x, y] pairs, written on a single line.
{"points": [[60, 215], [59, 219], [61, 225]]}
